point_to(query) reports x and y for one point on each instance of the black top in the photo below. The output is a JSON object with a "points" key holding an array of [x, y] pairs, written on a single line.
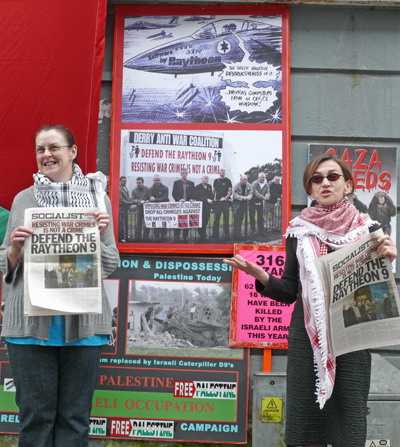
{"points": [[159, 192], [221, 187], [183, 190], [203, 192], [275, 191]]}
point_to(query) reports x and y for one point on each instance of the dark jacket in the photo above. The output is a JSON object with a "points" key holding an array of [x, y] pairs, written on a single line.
{"points": [[140, 194], [178, 190], [203, 192], [159, 192], [124, 198], [221, 187]]}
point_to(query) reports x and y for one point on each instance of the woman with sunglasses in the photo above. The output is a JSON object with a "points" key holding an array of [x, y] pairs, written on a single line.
{"points": [[328, 406], [54, 359]]}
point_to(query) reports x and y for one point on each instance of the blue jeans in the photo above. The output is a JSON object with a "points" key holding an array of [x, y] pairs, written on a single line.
{"points": [[55, 387]]}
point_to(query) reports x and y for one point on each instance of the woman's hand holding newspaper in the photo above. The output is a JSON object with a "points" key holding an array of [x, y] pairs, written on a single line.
{"points": [[385, 246]]}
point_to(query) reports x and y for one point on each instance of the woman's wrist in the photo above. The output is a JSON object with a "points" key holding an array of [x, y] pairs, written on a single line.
{"points": [[262, 277]]}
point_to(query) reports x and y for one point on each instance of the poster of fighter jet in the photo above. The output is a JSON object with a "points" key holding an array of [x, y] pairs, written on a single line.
{"points": [[200, 127], [202, 69]]}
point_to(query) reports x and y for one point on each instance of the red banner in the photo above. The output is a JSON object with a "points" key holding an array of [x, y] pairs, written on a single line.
{"points": [[51, 58]]}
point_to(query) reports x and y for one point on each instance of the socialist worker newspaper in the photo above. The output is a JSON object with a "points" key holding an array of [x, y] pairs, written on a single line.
{"points": [[362, 299], [62, 270]]}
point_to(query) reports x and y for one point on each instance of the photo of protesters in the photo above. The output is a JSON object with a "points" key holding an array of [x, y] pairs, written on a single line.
{"points": [[382, 209], [228, 214], [370, 303], [195, 180]]}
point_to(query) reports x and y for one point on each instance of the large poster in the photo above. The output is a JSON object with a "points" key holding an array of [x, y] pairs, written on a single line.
{"points": [[375, 174], [168, 374], [200, 145]]}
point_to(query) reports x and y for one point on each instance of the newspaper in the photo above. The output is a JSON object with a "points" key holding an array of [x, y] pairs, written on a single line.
{"points": [[362, 298], [62, 270]]}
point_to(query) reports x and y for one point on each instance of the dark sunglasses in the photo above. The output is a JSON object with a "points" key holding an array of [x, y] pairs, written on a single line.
{"points": [[318, 178]]}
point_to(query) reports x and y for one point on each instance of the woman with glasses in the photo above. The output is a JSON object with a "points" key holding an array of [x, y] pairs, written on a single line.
{"points": [[328, 406], [54, 359]]}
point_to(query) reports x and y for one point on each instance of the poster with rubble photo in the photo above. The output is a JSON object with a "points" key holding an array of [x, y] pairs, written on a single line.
{"points": [[375, 175], [216, 68], [170, 375], [201, 187], [173, 377]]}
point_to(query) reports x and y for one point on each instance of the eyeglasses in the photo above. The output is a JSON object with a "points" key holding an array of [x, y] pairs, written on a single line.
{"points": [[319, 178], [52, 148]]}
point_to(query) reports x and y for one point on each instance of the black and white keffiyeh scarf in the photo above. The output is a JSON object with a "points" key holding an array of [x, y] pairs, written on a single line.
{"points": [[82, 191]]}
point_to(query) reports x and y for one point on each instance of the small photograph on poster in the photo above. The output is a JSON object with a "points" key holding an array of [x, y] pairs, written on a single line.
{"points": [[375, 175], [70, 271], [205, 69], [178, 315], [200, 186], [370, 303], [177, 306], [111, 289], [258, 321]]}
